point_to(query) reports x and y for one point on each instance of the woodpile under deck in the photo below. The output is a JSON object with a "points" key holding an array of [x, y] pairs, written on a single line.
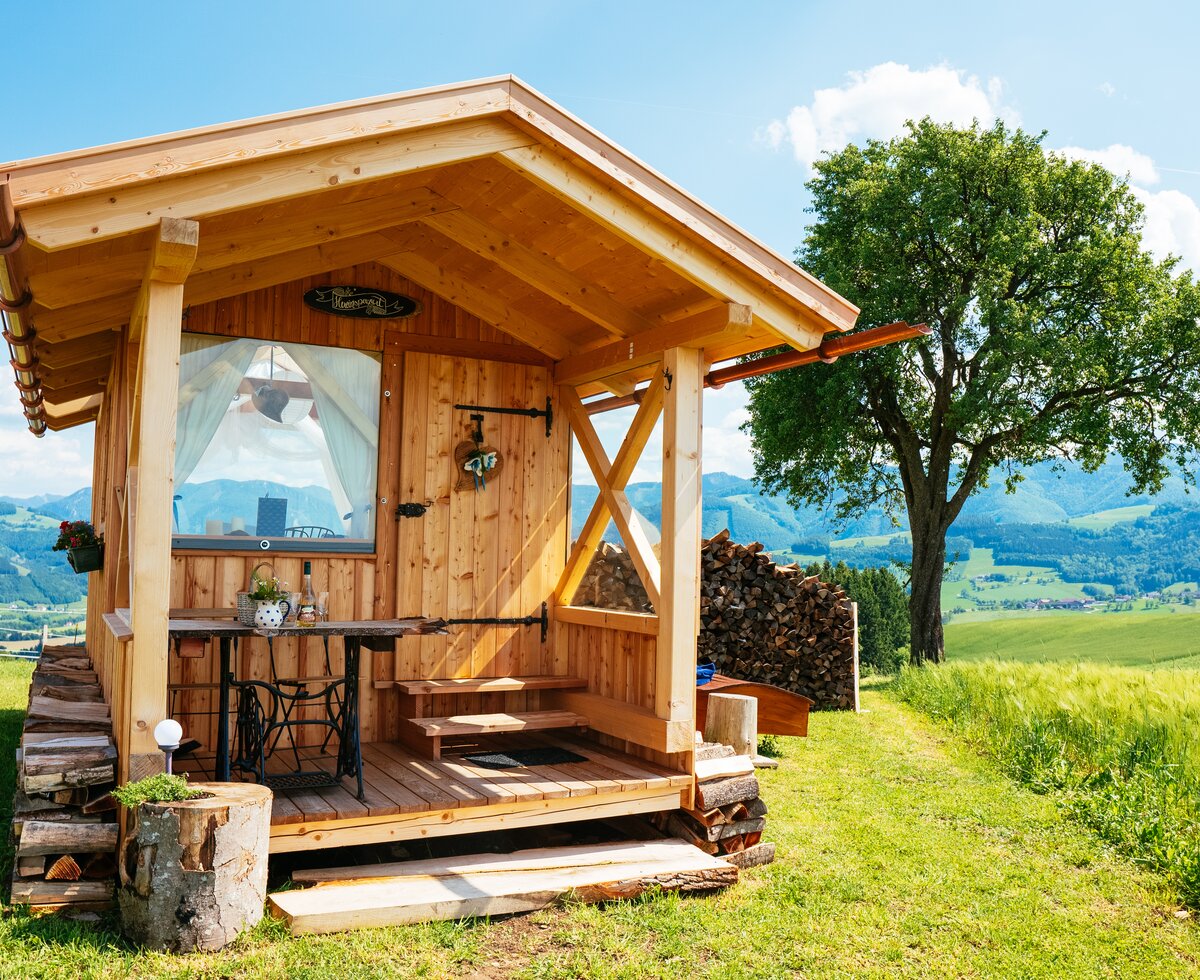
{"points": [[408, 796]]}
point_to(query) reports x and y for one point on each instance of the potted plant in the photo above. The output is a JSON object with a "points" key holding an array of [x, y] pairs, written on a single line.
{"points": [[193, 870], [85, 550], [270, 597]]}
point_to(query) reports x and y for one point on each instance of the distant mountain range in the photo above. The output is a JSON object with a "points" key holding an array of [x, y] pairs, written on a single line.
{"points": [[1043, 497], [1152, 549]]}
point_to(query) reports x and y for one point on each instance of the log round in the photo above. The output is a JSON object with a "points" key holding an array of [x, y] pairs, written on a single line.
{"points": [[733, 720], [194, 873]]}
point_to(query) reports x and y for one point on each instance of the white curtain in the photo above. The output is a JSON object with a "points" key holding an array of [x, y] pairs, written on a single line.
{"points": [[210, 371], [345, 386]]}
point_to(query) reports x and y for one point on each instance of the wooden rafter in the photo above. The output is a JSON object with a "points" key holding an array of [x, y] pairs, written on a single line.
{"points": [[612, 478], [261, 237], [540, 272], [728, 320], [103, 316], [801, 328], [478, 302], [108, 214]]}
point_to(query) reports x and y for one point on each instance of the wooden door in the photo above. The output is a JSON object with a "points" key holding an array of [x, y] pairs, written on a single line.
{"points": [[495, 552]]}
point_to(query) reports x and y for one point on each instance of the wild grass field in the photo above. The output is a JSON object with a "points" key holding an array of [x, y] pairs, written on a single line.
{"points": [[1117, 745], [901, 853]]}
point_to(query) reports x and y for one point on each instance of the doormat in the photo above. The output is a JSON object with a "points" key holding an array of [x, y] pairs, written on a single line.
{"points": [[523, 757]]}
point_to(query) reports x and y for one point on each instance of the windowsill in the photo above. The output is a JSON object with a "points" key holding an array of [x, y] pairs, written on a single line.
{"points": [[283, 545]]}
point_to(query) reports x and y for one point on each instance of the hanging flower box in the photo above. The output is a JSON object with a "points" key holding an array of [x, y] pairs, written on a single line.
{"points": [[85, 551]]}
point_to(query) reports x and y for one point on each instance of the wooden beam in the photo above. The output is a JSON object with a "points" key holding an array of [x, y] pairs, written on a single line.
{"points": [[797, 325], [723, 323], [94, 217], [618, 477], [645, 624], [478, 302], [76, 323], [263, 235], [632, 533], [679, 614], [539, 271], [152, 453], [483, 350], [75, 391]]}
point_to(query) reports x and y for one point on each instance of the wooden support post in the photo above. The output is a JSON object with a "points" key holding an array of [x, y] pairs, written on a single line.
{"points": [[155, 325], [679, 610]]}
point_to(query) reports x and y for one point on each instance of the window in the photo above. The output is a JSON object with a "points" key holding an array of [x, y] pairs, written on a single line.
{"points": [[276, 446]]}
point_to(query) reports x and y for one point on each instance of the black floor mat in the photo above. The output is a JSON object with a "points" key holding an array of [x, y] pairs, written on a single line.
{"points": [[523, 757]]}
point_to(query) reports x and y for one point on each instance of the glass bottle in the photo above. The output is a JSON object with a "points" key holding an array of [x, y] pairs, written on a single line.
{"points": [[307, 614]]}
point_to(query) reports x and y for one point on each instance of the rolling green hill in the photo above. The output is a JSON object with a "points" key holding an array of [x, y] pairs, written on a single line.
{"points": [[1132, 639]]}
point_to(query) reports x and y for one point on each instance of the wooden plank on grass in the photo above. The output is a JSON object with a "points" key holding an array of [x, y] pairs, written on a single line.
{"points": [[496, 884]]}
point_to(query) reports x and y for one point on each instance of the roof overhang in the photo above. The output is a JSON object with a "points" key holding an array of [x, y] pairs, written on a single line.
{"points": [[415, 182]]}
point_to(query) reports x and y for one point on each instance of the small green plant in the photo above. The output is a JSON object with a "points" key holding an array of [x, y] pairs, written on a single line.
{"points": [[770, 745], [159, 788], [267, 589]]}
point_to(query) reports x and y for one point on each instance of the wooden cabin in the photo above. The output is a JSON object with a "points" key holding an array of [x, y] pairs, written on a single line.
{"points": [[158, 290]]}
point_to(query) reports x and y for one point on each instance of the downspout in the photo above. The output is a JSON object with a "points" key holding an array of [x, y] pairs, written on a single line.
{"points": [[15, 301], [828, 352]]}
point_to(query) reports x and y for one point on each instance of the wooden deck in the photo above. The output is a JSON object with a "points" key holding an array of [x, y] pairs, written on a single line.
{"points": [[408, 796]]}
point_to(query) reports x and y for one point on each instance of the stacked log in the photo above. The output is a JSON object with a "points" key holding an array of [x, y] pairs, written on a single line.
{"points": [[612, 582], [63, 815], [728, 817], [759, 621]]}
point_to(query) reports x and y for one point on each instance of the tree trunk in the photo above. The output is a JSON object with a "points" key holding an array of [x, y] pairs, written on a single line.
{"points": [[926, 643], [733, 720], [194, 873]]}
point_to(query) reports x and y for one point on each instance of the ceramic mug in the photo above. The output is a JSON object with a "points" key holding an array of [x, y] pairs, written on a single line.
{"points": [[268, 614]]}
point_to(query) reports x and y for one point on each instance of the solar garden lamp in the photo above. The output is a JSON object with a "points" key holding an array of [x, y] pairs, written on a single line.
{"points": [[168, 733]]}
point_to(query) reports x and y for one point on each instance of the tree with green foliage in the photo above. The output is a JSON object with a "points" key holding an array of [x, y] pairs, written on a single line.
{"points": [[882, 612], [1054, 335]]}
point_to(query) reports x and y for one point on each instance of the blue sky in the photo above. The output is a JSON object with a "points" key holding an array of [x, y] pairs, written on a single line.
{"points": [[730, 101]]}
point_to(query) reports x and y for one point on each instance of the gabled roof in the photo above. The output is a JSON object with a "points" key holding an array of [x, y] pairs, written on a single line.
{"points": [[483, 192]]}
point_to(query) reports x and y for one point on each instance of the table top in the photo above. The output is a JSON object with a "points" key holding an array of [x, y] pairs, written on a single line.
{"points": [[216, 628]]}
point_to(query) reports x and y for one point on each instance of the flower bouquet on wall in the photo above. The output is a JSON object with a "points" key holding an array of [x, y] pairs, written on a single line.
{"points": [[85, 550]]}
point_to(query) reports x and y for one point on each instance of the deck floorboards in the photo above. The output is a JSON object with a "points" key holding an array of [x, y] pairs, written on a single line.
{"points": [[396, 781]]}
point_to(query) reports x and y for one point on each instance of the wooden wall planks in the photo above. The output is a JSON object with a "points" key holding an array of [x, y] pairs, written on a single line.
{"points": [[496, 553]]}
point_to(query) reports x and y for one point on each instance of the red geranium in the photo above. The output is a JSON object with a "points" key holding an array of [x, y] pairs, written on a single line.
{"points": [[75, 534]]}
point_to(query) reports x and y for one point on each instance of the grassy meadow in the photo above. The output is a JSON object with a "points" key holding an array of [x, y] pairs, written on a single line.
{"points": [[901, 853], [1161, 638], [1116, 745]]}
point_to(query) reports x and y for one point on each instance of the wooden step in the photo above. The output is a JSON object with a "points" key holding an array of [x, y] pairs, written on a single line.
{"points": [[425, 734], [500, 721], [489, 685], [494, 884]]}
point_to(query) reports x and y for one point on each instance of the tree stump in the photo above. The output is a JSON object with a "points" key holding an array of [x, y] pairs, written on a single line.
{"points": [[733, 720], [194, 873]]}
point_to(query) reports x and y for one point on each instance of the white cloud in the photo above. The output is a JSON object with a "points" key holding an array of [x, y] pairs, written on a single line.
{"points": [[1107, 89], [877, 102], [1122, 160], [1172, 225], [59, 462]]}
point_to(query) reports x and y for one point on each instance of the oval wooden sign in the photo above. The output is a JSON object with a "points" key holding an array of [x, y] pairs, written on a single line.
{"points": [[361, 302]]}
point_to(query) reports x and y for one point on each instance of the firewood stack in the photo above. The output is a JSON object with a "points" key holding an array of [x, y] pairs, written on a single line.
{"points": [[729, 816], [63, 815], [759, 621], [611, 582], [771, 623]]}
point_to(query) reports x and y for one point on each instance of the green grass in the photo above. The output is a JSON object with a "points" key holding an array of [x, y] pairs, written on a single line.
{"points": [[902, 853], [1125, 639], [1102, 520], [1117, 745]]}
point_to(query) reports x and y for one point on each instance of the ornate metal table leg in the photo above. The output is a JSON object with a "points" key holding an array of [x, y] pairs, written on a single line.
{"points": [[350, 751], [222, 765]]}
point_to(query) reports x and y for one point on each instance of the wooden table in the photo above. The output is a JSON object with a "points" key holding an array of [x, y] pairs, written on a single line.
{"points": [[374, 634]]}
